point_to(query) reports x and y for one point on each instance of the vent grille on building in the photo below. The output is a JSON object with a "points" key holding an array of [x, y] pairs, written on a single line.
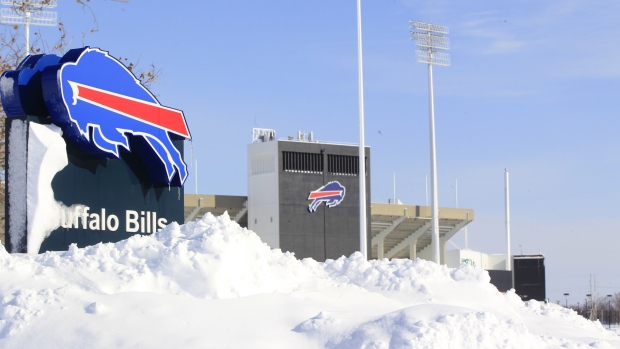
{"points": [[302, 162], [344, 165]]}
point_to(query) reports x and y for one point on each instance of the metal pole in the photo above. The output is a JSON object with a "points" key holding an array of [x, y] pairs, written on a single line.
{"points": [[362, 154], [394, 189], [456, 192], [430, 38], [467, 235], [608, 311], [27, 30], [507, 191], [426, 188], [434, 204]]}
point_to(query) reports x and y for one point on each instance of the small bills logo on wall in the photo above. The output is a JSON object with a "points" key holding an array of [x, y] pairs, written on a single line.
{"points": [[331, 194]]}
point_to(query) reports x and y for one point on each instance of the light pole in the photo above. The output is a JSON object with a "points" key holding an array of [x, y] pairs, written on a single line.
{"points": [[609, 311], [507, 210], [28, 12], [566, 296], [430, 38], [362, 153]]}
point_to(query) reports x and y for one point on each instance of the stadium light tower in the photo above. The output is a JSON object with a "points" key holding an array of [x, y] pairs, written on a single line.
{"points": [[28, 12], [430, 40]]}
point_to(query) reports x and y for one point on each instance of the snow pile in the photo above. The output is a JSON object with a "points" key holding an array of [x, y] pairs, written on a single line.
{"points": [[209, 258], [420, 327], [210, 283], [47, 155]]}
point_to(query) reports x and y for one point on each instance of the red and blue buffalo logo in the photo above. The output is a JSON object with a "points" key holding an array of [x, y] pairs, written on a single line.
{"points": [[331, 194], [101, 107]]}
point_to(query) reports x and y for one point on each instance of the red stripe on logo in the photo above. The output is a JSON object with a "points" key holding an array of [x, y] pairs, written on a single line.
{"points": [[322, 194], [170, 119]]}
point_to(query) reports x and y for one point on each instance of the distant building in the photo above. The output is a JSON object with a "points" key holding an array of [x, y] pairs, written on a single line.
{"points": [[529, 276], [287, 179], [303, 195]]}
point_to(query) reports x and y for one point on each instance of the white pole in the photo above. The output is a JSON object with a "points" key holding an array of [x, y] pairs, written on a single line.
{"points": [[466, 236], [426, 187], [196, 174], [456, 192], [362, 154], [434, 204], [507, 194], [456, 202], [394, 202], [27, 30]]}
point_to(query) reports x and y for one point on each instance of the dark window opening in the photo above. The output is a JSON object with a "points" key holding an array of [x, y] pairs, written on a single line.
{"points": [[302, 162], [344, 165]]}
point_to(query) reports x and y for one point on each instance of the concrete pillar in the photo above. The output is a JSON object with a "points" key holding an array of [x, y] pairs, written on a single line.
{"points": [[412, 250]]}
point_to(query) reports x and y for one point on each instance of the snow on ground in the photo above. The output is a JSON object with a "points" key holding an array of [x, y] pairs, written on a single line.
{"points": [[212, 284]]}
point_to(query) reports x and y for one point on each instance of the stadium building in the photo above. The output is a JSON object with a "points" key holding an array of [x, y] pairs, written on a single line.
{"points": [[284, 175]]}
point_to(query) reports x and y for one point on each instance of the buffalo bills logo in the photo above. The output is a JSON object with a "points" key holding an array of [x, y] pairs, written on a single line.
{"points": [[331, 194], [102, 107]]}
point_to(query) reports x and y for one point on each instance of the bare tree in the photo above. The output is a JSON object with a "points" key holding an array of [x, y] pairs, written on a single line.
{"points": [[615, 307]]}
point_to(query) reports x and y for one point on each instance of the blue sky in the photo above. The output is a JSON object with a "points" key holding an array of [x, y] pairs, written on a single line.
{"points": [[534, 87]]}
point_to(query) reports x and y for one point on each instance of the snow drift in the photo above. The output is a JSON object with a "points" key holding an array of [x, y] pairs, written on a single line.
{"points": [[211, 283]]}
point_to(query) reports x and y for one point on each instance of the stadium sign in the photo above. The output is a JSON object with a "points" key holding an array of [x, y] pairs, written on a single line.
{"points": [[92, 156]]}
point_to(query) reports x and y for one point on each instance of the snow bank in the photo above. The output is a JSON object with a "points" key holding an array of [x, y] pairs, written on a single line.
{"points": [[47, 156], [37, 152], [211, 283], [426, 326], [212, 258]]}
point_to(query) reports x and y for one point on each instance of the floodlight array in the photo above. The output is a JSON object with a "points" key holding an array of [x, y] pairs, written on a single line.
{"points": [[33, 4], [431, 40], [27, 13], [434, 58], [428, 27], [44, 18]]}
